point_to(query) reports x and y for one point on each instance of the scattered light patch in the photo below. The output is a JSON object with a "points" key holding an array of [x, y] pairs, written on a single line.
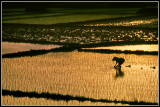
{"points": [[126, 23], [10, 47], [137, 22]]}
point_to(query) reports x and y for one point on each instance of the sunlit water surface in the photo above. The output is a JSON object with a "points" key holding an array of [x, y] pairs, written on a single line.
{"points": [[98, 31], [10, 47], [153, 47], [82, 74]]}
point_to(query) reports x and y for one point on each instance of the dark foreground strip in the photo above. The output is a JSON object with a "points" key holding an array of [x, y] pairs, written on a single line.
{"points": [[54, 96]]}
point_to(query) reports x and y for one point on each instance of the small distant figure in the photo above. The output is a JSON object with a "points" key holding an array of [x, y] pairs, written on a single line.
{"points": [[153, 67], [129, 66], [119, 61]]}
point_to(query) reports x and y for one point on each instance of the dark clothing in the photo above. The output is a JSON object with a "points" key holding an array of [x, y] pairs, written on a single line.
{"points": [[120, 61]]}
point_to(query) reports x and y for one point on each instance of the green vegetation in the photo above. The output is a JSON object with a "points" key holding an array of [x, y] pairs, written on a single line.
{"points": [[63, 15]]}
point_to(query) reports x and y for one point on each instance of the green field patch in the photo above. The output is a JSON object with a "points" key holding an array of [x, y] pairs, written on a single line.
{"points": [[51, 16], [63, 19]]}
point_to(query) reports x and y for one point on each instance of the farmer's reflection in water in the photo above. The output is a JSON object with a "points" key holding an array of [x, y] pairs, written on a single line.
{"points": [[117, 66], [119, 73]]}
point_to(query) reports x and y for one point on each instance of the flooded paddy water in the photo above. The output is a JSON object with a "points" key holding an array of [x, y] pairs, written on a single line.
{"points": [[86, 74], [78, 77], [11, 47]]}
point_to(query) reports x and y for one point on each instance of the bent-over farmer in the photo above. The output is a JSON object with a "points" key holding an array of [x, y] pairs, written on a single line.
{"points": [[119, 61]]}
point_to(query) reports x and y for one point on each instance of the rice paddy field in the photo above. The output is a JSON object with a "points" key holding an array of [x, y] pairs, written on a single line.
{"points": [[82, 74], [77, 77]]}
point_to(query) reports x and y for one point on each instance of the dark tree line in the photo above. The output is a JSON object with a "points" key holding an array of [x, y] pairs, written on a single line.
{"points": [[79, 4]]}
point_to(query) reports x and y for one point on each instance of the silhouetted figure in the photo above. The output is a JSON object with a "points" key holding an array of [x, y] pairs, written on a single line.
{"points": [[119, 61]]}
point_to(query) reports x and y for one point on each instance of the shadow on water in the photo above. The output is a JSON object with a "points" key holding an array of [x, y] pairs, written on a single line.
{"points": [[119, 73], [55, 96]]}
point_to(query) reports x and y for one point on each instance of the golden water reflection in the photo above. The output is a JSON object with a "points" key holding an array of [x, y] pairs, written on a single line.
{"points": [[84, 74], [10, 47], [153, 47], [126, 23]]}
